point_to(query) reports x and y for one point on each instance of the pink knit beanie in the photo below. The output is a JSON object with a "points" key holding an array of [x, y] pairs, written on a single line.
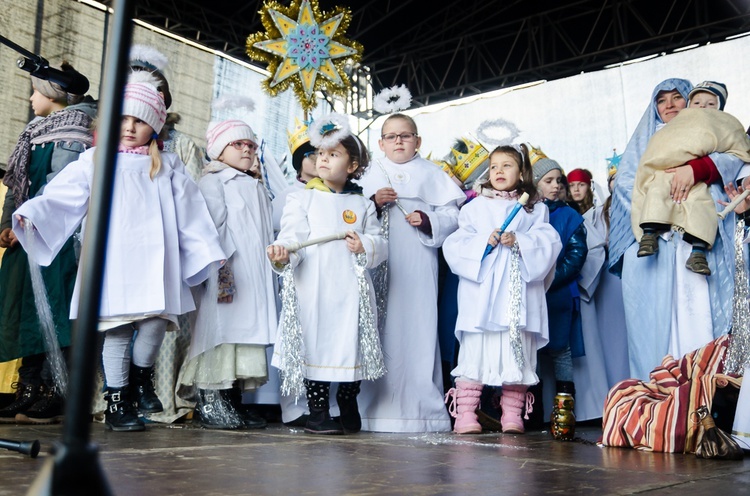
{"points": [[219, 135], [142, 100]]}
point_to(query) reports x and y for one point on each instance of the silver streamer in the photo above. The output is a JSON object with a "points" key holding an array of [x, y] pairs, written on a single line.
{"points": [[291, 366], [370, 351], [380, 277], [44, 312], [738, 354], [515, 306]]}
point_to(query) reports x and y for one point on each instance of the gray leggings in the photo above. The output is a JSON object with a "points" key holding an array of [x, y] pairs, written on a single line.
{"points": [[116, 352]]}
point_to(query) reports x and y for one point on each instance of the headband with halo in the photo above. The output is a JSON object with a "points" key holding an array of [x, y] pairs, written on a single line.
{"points": [[393, 99], [329, 130]]}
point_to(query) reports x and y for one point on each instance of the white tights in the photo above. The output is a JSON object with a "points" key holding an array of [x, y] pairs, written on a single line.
{"points": [[116, 352]]}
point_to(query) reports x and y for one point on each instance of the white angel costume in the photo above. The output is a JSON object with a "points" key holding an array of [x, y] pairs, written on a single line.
{"points": [[410, 397], [485, 302]]}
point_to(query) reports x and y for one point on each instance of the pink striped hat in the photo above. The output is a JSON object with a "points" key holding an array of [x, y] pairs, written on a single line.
{"points": [[143, 100], [219, 135]]}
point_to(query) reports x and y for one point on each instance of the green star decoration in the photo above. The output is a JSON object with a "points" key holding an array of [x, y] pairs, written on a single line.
{"points": [[304, 48]]}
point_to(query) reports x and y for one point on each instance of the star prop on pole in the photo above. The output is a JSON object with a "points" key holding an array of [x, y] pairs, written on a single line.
{"points": [[304, 48], [613, 162]]}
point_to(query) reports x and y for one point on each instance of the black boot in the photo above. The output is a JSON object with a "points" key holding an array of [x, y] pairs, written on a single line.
{"points": [[250, 419], [142, 386], [346, 397], [215, 411], [48, 409], [26, 395], [319, 421], [536, 416], [121, 415]]}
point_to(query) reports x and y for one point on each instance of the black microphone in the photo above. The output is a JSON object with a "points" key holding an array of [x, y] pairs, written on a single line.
{"points": [[71, 81]]}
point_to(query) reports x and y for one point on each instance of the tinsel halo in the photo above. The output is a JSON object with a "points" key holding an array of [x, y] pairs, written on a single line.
{"points": [[305, 48], [327, 131], [393, 99], [501, 124]]}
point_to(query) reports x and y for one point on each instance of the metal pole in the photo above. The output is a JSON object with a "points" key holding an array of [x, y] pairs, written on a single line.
{"points": [[75, 468]]}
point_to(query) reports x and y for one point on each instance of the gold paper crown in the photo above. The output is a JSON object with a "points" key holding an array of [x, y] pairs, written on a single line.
{"points": [[467, 163], [299, 136], [443, 165], [535, 154]]}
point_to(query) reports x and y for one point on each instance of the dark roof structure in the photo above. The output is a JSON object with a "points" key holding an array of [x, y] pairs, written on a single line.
{"points": [[446, 49]]}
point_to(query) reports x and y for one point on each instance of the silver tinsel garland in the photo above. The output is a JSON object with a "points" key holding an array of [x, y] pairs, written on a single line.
{"points": [[380, 276], [515, 306], [292, 360], [370, 351], [738, 354]]}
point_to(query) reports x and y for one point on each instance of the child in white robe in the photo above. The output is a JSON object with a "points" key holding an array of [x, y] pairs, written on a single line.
{"points": [[502, 313], [339, 343], [421, 204], [227, 354], [161, 241]]}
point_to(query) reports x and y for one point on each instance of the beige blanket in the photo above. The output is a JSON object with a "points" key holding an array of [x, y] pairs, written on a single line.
{"points": [[691, 134]]}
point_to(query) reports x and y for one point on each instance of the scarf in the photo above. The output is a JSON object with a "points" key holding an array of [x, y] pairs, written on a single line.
{"points": [[65, 125]]}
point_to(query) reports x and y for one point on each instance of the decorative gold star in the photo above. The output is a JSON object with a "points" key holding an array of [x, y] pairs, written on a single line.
{"points": [[299, 52]]}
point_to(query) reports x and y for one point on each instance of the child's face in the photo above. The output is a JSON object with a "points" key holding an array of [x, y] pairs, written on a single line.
{"points": [[669, 104], [239, 155], [704, 99], [549, 185], [334, 166], [578, 190], [42, 105], [134, 132], [504, 172], [308, 170], [399, 140]]}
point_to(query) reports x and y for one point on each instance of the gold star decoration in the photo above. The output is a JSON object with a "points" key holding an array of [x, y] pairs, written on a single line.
{"points": [[304, 48]]}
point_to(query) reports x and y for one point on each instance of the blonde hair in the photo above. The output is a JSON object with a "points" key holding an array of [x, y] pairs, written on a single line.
{"points": [[153, 150]]}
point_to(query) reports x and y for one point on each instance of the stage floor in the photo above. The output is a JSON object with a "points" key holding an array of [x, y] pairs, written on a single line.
{"points": [[185, 460]]}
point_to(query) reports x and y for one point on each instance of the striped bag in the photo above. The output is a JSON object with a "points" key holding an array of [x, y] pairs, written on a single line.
{"points": [[657, 415]]}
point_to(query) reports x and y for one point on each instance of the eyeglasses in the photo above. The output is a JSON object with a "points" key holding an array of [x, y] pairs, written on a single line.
{"points": [[239, 145], [311, 155], [404, 137]]}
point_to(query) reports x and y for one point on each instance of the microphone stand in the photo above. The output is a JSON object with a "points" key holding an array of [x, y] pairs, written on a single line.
{"points": [[75, 468], [30, 61]]}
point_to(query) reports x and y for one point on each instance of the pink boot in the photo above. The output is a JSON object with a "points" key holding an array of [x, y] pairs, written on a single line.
{"points": [[463, 407], [512, 403]]}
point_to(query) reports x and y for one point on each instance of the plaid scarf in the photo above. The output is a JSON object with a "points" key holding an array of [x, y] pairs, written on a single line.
{"points": [[66, 125]]}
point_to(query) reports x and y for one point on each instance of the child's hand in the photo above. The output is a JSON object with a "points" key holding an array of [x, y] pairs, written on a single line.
{"points": [[733, 192], [508, 239], [682, 181], [226, 299], [278, 254], [7, 238], [354, 243], [414, 219], [384, 196], [494, 238]]}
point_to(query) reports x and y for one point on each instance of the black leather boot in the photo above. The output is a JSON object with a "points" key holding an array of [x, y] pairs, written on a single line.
{"points": [[26, 395], [121, 415], [346, 397], [215, 411], [48, 409], [250, 419], [142, 387], [320, 421]]}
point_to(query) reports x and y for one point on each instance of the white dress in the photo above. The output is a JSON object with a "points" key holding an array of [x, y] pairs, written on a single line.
{"points": [[589, 371], [161, 237], [410, 396], [484, 290], [327, 287]]}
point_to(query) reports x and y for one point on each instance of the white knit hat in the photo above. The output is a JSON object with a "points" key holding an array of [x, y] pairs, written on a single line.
{"points": [[142, 100], [219, 135]]}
